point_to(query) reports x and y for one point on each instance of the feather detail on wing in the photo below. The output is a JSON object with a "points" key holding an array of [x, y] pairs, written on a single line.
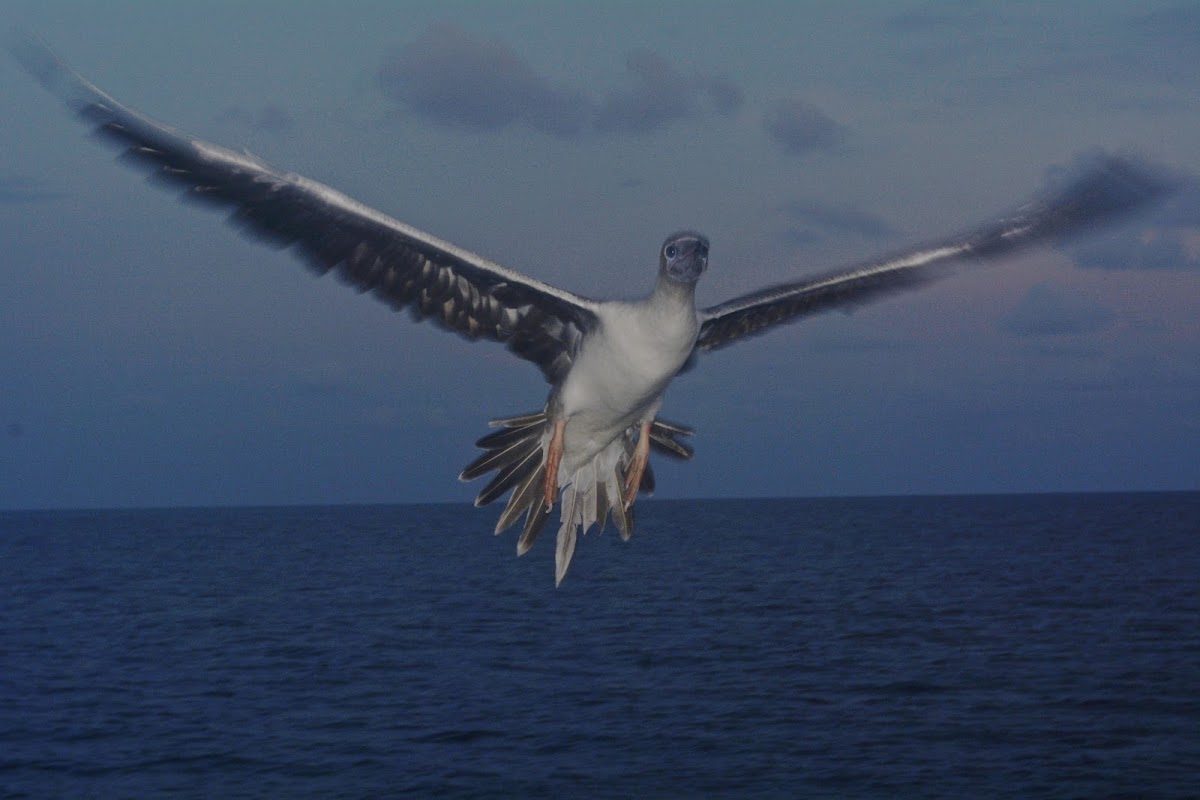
{"points": [[402, 266], [1110, 188]]}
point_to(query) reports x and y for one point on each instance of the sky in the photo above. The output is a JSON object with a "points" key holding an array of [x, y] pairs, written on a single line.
{"points": [[152, 356]]}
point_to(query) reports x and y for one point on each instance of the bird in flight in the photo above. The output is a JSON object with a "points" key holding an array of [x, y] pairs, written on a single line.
{"points": [[608, 362]]}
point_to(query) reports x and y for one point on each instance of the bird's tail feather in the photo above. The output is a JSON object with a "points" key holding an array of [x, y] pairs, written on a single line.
{"points": [[516, 452]]}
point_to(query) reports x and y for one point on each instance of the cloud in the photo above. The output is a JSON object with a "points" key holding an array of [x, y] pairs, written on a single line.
{"points": [[661, 95], [17, 189], [268, 118], [453, 78], [800, 128], [841, 219], [1048, 310], [1164, 237], [726, 96]]}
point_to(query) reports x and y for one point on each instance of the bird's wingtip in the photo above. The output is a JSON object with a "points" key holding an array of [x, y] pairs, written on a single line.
{"points": [[44, 65], [32, 53], [1100, 185]]}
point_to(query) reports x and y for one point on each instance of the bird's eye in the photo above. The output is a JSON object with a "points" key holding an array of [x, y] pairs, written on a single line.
{"points": [[670, 251]]}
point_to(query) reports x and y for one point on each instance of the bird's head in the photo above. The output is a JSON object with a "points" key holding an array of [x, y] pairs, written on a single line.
{"points": [[684, 257]]}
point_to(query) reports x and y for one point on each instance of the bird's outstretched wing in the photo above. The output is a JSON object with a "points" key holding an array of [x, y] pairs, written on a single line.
{"points": [[1107, 189], [400, 265]]}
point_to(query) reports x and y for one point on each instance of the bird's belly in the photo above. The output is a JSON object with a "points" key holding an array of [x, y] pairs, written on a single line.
{"points": [[605, 393], [593, 426], [587, 435]]}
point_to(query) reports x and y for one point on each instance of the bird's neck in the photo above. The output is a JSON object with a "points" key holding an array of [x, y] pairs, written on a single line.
{"points": [[673, 293]]}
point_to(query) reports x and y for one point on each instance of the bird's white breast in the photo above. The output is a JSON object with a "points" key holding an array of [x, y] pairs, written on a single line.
{"points": [[622, 370]]}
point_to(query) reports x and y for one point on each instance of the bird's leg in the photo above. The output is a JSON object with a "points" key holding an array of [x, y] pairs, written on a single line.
{"points": [[553, 459], [637, 466]]}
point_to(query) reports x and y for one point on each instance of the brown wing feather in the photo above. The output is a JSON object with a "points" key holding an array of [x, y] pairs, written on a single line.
{"points": [[1112, 187], [372, 252]]}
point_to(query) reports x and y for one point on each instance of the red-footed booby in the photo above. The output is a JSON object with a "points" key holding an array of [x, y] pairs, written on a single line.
{"points": [[608, 363]]}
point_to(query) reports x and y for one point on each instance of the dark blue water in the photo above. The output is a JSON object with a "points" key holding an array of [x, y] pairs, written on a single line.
{"points": [[910, 647]]}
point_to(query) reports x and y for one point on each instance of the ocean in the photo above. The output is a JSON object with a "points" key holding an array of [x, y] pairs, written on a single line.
{"points": [[1041, 646]]}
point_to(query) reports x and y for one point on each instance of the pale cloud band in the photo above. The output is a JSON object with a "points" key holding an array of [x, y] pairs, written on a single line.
{"points": [[451, 77]]}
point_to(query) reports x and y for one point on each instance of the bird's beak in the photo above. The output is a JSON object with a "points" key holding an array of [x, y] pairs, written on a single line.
{"points": [[690, 268]]}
